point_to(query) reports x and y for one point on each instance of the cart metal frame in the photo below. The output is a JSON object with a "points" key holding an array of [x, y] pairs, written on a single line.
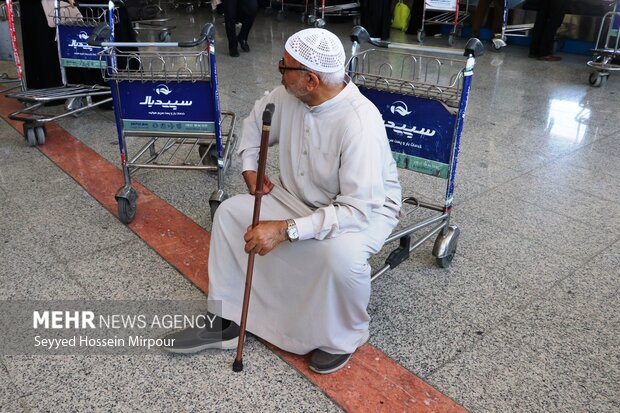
{"points": [[515, 30], [166, 95], [432, 84], [5, 18], [73, 51], [451, 16], [606, 54]]}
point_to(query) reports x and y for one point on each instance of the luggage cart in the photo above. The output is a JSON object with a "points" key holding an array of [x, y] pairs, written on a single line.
{"points": [[167, 96], [148, 17], [422, 98], [515, 30], [73, 51], [342, 10], [451, 16], [606, 55], [190, 5], [9, 47], [284, 7]]}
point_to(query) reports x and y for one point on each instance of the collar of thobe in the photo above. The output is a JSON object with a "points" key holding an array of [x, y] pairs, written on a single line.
{"points": [[335, 100]]}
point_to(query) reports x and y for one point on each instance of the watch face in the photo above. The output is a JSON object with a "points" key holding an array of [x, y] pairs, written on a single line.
{"points": [[292, 233]]}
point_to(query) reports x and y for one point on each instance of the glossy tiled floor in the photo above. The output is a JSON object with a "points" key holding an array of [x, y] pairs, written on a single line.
{"points": [[525, 320]]}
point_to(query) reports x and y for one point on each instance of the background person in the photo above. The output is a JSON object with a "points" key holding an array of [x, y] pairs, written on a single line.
{"points": [[548, 20], [244, 12]]}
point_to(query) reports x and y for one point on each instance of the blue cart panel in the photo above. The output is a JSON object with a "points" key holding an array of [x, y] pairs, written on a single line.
{"points": [[173, 106], [420, 131], [75, 50]]}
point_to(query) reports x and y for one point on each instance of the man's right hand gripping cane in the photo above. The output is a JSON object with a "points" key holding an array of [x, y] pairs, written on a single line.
{"points": [[267, 234]]}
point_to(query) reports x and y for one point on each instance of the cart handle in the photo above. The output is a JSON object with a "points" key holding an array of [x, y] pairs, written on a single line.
{"points": [[117, 3], [103, 32], [473, 48]]}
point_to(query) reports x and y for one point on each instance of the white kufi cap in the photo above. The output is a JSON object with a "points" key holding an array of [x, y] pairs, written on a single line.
{"points": [[317, 49]]}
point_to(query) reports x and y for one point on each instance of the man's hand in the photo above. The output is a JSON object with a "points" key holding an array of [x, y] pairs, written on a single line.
{"points": [[250, 182], [266, 236]]}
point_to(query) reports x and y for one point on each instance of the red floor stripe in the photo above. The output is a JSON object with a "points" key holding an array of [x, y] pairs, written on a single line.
{"points": [[371, 382]]}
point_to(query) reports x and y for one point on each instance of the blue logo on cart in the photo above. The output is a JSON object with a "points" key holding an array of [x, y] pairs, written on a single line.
{"points": [[165, 104], [163, 90], [400, 107], [76, 43]]}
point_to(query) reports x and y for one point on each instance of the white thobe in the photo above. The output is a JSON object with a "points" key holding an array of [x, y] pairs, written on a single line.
{"points": [[339, 182]]}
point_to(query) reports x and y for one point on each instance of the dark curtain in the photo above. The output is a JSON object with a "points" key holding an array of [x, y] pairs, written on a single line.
{"points": [[41, 62], [376, 17]]}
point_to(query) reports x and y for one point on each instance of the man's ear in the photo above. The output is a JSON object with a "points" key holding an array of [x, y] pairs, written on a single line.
{"points": [[313, 81]]}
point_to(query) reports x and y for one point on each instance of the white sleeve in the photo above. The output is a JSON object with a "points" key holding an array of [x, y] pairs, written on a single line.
{"points": [[249, 145]]}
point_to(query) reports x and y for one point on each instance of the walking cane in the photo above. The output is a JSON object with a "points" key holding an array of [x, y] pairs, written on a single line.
{"points": [[258, 194]]}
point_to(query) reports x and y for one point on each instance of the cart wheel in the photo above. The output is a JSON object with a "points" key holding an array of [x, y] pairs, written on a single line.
{"points": [[451, 39], [73, 104], [320, 23], [596, 79], [421, 36], [30, 135], [311, 19], [304, 17], [497, 46], [39, 132], [213, 206], [126, 211], [210, 158], [445, 262], [281, 15], [445, 246], [164, 36], [189, 8]]}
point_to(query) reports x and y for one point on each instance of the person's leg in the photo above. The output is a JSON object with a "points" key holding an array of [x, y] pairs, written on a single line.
{"points": [[417, 8], [539, 27], [498, 16], [247, 13], [230, 20], [479, 17], [555, 16]]}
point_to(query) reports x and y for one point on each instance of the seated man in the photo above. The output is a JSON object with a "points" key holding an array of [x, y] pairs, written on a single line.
{"points": [[334, 204]]}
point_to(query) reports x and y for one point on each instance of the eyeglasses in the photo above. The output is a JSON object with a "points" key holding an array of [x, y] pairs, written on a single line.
{"points": [[283, 68]]}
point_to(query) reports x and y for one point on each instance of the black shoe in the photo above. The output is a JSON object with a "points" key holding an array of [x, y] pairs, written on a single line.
{"points": [[233, 53], [192, 340], [323, 362], [244, 45]]}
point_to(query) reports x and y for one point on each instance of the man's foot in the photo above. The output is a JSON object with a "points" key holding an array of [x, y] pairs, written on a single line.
{"points": [[244, 45], [550, 58], [223, 336], [233, 53], [324, 363]]}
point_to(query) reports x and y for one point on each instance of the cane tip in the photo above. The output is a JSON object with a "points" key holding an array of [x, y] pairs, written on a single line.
{"points": [[238, 366]]}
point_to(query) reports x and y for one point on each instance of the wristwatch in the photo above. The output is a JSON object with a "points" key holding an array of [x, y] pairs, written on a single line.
{"points": [[291, 230]]}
